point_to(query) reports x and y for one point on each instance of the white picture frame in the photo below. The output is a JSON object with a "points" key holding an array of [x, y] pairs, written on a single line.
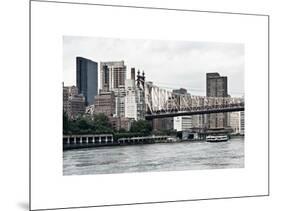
{"points": [[50, 21]]}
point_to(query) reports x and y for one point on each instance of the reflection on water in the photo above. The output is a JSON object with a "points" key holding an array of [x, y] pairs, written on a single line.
{"points": [[155, 157]]}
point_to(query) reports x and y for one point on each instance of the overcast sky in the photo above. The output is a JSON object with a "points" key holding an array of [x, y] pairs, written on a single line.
{"points": [[169, 64]]}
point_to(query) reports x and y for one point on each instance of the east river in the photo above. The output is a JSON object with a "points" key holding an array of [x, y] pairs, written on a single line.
{"points": [[155, 157]]}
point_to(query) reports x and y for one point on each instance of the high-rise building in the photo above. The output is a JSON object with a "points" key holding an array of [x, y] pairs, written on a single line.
{"points": [[135, 96], [73, 103], [113, 75], [65, 98], [76, 105], [134, 99], [66, 94], [120, 94], [131, 99], [105, 103], [87, 79], [216, 86], [133, 73]]}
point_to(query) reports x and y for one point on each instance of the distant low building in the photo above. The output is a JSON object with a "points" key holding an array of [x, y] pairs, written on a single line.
{"points": [[198, 121], [118, 123], [242, 122], [180, 91], [189, 135], [234, 121], [182, 123], [162, 124]]}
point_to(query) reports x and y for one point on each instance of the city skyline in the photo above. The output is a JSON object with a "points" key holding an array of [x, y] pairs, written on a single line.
{"points": [[132, 107], [184, 64]]}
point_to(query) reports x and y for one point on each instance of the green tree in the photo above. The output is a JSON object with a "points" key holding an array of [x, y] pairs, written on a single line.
{"points": [[122, 130], [141, 126], [102, 124], [85, 124], [101, 119], [66, 123]]}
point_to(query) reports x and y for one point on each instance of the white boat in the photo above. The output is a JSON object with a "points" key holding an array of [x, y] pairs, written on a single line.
{"points": [[171, 139], [217, 138]]}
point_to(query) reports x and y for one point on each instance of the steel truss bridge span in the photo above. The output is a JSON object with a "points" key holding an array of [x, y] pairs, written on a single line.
{"points": [[162, 103], [193, 112]]}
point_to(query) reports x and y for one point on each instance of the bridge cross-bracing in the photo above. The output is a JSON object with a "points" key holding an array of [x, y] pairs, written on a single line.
{"points": [[161, 102]]}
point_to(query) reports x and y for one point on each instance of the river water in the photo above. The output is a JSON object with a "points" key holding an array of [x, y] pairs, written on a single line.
{"points": [[155, 157]]}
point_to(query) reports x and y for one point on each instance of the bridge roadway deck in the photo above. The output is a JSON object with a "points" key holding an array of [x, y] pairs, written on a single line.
{"points": [[190, 113]]}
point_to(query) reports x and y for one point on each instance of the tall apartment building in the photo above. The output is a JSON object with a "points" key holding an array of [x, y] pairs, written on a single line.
{"points": [[76, 105], [113, 75], [131, 99], [73, 103], [105, 103], [133, 73], [87, 79], [140, 104], [134, 99], [216, 86], [66, 93], [120, 95]]}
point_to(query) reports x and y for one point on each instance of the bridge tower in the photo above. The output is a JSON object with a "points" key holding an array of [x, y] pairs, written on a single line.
{"points": [[140, 80], [141, 105]]}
